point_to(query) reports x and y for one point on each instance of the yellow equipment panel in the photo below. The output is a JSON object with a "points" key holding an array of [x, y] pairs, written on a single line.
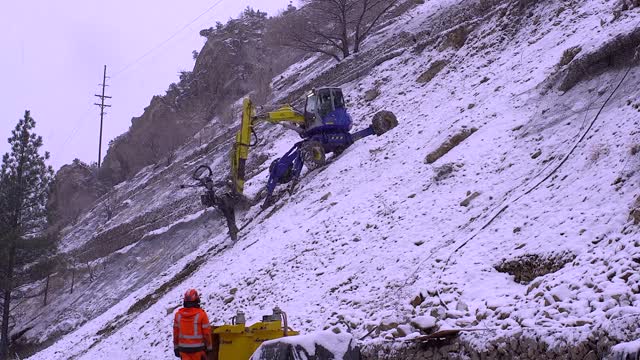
{"points": [[237, 342]]}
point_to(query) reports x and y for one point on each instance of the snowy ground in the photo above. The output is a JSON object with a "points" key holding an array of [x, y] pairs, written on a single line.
{"points": [[360, 239]]}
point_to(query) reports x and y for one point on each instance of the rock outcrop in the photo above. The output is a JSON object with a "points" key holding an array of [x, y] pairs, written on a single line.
{"points": [[235, 61], [75, 188]]}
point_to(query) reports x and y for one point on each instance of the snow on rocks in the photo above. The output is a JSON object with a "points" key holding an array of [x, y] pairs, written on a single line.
{"points": [[413, 237], [424, 323], [306, 346], [626, 351]]}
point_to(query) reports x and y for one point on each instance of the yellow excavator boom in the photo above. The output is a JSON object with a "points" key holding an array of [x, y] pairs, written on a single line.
{"points": [[240, 151], [285, 113]]}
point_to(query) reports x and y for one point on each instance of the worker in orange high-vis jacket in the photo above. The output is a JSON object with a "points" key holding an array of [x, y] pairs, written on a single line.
{"points": [[191, 329]]}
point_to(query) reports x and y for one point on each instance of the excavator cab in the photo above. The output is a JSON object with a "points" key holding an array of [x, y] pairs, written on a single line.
{"points": [[325, 110]]}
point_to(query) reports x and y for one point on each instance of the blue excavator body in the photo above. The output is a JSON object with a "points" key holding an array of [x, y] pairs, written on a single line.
{"points": [[326, 130]]}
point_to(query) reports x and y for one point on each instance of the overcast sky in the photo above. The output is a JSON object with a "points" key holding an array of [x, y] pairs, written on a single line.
{"points": [[53, 53]]}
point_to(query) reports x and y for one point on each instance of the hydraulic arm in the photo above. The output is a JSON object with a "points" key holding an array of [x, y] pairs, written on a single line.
{"points": [[240, 152]]}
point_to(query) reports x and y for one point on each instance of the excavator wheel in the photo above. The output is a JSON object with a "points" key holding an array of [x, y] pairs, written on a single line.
{"points": [[313, 154], [339, 150], [383, 121]]}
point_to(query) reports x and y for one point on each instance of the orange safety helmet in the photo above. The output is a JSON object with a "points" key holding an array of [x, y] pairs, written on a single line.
{"points": [[192, 296]]}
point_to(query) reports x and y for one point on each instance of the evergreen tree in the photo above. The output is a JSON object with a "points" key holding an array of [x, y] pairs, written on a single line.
{"points": [[24, 187]]}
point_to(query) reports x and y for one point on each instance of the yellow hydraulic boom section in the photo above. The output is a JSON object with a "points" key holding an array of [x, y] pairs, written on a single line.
{"points": [[240, 151]]}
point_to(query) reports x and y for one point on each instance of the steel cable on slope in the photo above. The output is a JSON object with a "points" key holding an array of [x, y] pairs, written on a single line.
{"points": [[504, 199], [505, 207], [79, 122]]}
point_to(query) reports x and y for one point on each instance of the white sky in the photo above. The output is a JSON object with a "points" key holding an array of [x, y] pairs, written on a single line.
{"points": [[53, 53]]}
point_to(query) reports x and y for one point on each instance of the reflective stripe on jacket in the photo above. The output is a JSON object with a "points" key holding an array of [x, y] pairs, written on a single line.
{"points": [[191, 330]]}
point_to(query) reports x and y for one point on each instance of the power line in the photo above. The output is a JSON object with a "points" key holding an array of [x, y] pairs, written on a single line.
{"points": [[136, 61], [162, 43], [77, 126]]}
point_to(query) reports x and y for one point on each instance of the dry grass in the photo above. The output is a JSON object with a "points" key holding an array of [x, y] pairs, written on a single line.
{"points": [[598, 151], [568, 55], [444, 172], [530, 266], [457, 37]]}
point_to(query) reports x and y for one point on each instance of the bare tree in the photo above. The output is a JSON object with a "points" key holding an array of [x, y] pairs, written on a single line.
{"points": [[110, 204], [303, 30], [73, 279], [367, 15], [90, 271], [153, 145], [331, 27], [172, 152], [171, 155]]}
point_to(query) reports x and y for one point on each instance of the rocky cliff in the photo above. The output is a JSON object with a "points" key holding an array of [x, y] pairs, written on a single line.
{"points": [[75, 188], [234, 61]]}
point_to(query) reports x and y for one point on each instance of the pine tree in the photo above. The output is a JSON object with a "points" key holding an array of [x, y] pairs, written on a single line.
{"points": [[24, 186]]}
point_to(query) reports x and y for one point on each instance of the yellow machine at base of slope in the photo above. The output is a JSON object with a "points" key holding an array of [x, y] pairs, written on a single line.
{"points": [[238, 342], [240, 152]]}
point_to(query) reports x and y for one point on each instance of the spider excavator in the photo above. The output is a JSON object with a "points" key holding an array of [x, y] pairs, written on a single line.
{"points": [[324, 127]]}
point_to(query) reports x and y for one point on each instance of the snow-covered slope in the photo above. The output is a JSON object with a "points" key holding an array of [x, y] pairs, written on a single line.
{"points": [[380, 237]]}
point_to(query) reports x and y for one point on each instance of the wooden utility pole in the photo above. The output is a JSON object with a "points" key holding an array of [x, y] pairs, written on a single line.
{"points": [[102, 105]]}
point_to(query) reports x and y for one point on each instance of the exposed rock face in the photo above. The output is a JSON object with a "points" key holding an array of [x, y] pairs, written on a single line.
{"points": [[527, 267], [76, 187], [234, 62], [163, 126]]}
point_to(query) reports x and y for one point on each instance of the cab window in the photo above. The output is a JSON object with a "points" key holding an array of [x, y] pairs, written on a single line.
{"points": [[311, 104], [325, 103], [338, 100]]}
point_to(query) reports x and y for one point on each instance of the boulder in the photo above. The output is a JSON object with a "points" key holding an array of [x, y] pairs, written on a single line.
{"points": [[75, 188]]}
